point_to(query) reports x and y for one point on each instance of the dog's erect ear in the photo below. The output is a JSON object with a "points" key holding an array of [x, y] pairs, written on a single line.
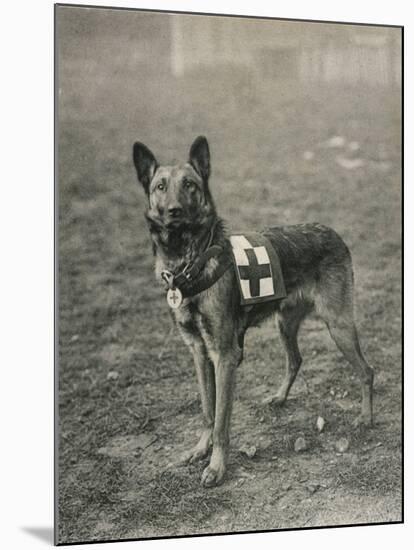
{"points": [[145, 164], [200, 157]]}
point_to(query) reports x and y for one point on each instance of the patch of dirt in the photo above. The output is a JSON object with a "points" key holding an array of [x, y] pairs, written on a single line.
{"points": [[127, 445]]}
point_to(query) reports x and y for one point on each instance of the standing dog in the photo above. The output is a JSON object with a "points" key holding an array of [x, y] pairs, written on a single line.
{"points": [[317, 271]]}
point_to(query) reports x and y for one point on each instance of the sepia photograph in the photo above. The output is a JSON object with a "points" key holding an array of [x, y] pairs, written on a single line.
{"points": [[228, 272]]}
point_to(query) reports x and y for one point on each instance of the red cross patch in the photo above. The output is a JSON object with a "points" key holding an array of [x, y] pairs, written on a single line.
{"points": [[257, 267]]}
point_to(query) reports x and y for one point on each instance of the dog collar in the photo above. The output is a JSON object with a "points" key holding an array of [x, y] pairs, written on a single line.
{"points": [[191, 280]]}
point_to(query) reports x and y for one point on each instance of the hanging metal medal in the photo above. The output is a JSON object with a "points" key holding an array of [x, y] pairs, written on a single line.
{"points": [[174, 295], [174, 298]]}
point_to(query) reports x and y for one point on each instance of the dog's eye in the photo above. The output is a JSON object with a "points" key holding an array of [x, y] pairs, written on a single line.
{"points": [[161, 186], [188, 184]]}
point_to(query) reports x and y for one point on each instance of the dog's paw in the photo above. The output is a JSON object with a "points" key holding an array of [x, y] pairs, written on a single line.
{"points": [[194, 455], [276, 400], [199, 451], [212, 477]]}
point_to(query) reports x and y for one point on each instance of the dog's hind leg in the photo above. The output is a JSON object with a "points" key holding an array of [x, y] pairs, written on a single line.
{"points": [[289, 320], [335, 305], [345, 336]]}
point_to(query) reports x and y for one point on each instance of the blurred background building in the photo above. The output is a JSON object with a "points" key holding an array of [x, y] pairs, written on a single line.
{"points": [[267, 49], [286, 49]]}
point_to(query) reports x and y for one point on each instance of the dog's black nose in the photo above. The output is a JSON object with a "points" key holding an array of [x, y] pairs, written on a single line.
{"points": [[175, 211]]}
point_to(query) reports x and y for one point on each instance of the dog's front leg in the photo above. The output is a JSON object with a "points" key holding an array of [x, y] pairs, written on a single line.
{"points": [[225, 366], [205, 377]]}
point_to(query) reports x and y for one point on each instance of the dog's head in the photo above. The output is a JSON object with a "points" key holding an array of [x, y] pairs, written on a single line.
{"points": [[178, 195]]}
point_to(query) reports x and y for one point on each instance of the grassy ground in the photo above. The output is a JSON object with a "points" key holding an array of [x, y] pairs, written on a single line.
{"points": [[128, 399]]}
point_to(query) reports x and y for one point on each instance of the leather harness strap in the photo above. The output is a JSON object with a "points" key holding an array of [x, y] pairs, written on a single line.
{"points": [[264, 278], [191, 281]]}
